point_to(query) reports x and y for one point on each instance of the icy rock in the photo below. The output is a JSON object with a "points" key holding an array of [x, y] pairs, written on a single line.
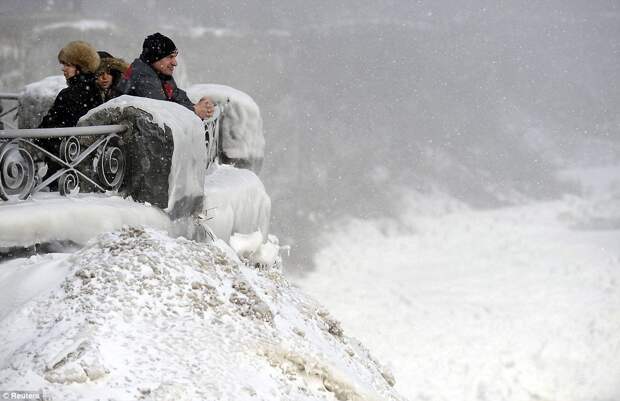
{"points": [[246, 244], [266, 255], [77, 366], [165, 151], [249, 248], [37, 98]]}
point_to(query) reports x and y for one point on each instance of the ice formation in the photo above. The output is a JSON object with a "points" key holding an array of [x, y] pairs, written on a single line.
{"points": [[235, 202], [241, 125], [49, 217]]}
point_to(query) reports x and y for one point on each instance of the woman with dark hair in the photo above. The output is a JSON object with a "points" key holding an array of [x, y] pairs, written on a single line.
{"points": [[108, 74], [79, 62]]}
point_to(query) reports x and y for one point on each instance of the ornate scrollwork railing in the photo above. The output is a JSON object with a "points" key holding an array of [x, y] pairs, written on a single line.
{"points": [[34, 159], [212, 134]]}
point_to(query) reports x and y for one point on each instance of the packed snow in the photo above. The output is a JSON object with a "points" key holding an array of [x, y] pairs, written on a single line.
{"points": [[513, 304], [235, 201], [137, 314], [48, 217], [47, 87]]}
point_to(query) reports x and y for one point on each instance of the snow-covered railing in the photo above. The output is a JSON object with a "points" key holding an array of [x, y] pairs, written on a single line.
{"points": [[25, 160], [212, 135], [10, 97]]}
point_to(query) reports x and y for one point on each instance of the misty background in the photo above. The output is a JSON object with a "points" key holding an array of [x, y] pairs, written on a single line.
{"points": [[366, 102]]}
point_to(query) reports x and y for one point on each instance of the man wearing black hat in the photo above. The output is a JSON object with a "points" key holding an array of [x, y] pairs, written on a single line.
{"points": [[150, 76]]}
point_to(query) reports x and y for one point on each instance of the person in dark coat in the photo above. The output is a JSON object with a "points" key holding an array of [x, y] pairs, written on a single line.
{"points": [[109, 75], [79, 62], [150, 76]]}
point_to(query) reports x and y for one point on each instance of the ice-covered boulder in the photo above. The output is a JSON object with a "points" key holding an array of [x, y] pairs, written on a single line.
{"points": [[139, 315], [37, 98], [235, 202], [165, 151], [241, 125]]}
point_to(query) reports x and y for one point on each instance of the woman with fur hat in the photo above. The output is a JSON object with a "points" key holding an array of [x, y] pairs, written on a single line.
{"points": [[79, 62], [109, 74]]}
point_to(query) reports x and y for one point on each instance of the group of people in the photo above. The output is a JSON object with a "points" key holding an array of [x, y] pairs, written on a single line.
{"points": [[94, 77]]}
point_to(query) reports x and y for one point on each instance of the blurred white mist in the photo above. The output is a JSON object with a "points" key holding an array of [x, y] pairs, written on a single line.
{"points": [[363, 100]]}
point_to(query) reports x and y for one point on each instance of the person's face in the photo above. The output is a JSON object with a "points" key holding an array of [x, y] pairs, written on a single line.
{"points": [[166, 65], [104, 80], [69, 70]]}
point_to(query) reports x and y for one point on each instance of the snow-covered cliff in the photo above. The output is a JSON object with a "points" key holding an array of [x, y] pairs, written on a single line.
{"points": [[139, 315]]}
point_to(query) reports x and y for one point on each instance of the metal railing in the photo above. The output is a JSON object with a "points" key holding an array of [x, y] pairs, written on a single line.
{"points": [[28, 155], [33, 160]]}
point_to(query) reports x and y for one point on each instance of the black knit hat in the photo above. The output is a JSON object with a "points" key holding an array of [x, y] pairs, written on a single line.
{"points": [[156, 47]]}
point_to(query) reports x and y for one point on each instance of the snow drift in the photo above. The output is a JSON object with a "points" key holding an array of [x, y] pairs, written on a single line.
{"points": [[139, 315], [48, 218], [235, 201]]}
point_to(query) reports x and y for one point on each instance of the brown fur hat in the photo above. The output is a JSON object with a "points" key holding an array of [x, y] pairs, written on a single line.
{"points": [[80, 54], [111, 64]]}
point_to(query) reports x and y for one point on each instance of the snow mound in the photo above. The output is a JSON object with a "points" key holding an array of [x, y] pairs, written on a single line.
{"points": [[49, 217], [142, 316], [235, 201], [37, 98], [241, 125]]}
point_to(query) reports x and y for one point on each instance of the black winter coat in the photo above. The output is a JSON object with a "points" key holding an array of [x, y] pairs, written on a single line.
{"points": [[81, 95], [142, 80], [109, 94]]}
